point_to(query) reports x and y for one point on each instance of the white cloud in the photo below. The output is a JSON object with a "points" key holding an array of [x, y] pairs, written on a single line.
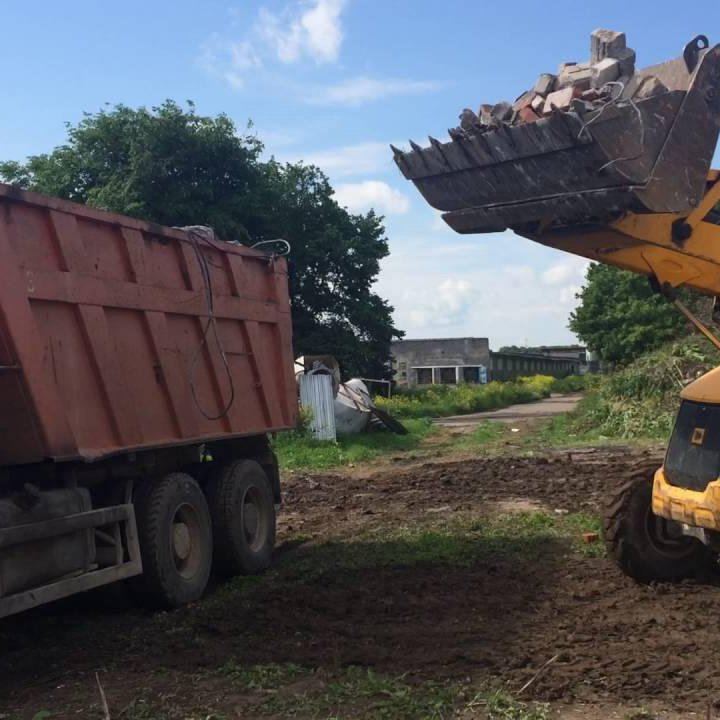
{"points": [[446, 304], [313, 29], [368, 158], [483, 286], [361, 90], [309, 29], [372, 194]]}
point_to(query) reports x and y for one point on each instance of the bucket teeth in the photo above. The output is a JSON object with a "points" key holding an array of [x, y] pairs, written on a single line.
{"points": [[435, 142], [415, 146], [397, 152]]}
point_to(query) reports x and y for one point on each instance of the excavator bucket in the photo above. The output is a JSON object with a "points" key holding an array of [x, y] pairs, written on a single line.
{"points": [[633, 153]]}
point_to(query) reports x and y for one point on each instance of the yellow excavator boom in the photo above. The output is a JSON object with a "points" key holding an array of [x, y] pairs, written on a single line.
{"points": [[678, 249]]}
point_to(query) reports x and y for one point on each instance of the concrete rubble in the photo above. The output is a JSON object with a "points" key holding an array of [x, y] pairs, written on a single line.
{"points": [[580, 88]]}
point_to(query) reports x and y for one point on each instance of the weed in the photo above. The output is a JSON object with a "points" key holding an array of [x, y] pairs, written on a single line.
{"points": [[500, 705], [259, 677]]}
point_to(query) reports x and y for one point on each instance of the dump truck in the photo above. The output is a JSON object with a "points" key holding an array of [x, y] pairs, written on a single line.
{"points": [[141, 370], [618, 175]]}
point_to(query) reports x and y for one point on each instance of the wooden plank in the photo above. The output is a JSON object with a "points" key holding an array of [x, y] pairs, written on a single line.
{"points": [[106, 363]]}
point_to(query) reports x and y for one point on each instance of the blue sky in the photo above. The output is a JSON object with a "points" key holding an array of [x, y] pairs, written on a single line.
{"points": [[334, 82]]}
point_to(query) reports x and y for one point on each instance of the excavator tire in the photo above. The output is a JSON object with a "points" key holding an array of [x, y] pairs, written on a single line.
{"points": [[648, 548]]}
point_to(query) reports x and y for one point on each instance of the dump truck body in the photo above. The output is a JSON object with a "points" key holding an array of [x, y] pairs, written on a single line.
{"points": [[127, 350]]}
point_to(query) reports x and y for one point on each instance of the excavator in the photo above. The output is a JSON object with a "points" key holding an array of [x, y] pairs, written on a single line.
{"points": [[618, 175]]}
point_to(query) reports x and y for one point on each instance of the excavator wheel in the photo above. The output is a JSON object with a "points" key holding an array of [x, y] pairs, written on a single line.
{"points": [[648, 548]]}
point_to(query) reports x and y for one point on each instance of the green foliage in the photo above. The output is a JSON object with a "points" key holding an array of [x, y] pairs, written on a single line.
{"points": [[570, 384], [444, 400], [170, 165], [620, 317], [641, 400]]}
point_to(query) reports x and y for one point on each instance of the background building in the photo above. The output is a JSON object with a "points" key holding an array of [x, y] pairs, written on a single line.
{"points": [[452, 361], [446, 361]]}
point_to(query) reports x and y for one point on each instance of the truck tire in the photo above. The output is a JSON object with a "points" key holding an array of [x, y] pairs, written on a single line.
{"points": [[175, 541], [647, 547], [243, 517]]}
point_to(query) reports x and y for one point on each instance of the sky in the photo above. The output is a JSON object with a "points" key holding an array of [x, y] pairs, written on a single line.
{"points": [[333, 83]]}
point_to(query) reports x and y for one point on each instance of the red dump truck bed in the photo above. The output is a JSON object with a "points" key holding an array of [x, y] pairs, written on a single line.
{"points": [[102, 320]]}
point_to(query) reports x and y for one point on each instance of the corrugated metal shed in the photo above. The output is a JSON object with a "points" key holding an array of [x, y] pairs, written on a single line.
{"points": [[316, 393]]}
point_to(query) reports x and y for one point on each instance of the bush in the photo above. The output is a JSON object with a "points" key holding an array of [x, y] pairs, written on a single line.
{"points": [[443, 400], [641, 400]]}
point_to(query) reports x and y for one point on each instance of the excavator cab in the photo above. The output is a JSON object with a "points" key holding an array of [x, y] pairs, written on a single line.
{"points": [[618, 173]]}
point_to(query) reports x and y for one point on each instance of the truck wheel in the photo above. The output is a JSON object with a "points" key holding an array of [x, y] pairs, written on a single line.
{"points": [[647, 547], [243, 517], [175, 541]]}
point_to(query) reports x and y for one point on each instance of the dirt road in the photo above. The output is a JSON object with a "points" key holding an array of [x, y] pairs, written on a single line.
{"points": [[555, 405]]}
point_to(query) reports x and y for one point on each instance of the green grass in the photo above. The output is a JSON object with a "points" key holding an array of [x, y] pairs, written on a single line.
{"points": [[459, 542], [357, 693], [484, 434], [297, 450]]}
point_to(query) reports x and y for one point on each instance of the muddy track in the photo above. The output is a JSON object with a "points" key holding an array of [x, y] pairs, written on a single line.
{"points": [[612, 639]]}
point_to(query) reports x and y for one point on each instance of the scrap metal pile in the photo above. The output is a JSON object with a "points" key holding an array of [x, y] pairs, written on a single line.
{"points": [[585, 145]]}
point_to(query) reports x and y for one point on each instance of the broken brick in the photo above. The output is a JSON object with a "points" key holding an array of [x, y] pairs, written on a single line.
{"points": [[649, 87], [626, 58], [558, 100], [525, 100], [527, 114], [545, 84], [538, 104], [605, 71], [605, 43]]}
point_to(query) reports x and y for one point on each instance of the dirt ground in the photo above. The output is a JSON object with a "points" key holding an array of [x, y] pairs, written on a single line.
{"points": [[612, 646]]}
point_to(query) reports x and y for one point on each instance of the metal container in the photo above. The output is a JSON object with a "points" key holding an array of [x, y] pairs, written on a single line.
{"points": [[651, 154], [117, 335]]}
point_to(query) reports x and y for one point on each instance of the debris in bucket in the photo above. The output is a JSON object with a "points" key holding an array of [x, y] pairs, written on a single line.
{"points": [[577, 87]]}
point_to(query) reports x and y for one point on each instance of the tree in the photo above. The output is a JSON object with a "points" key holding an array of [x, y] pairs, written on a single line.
{"points": [[172, 166], [620, 317]]}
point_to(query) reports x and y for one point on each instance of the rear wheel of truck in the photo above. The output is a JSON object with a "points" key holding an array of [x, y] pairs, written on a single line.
{"points": [[243, 517], [175, 541], [647, 547]]}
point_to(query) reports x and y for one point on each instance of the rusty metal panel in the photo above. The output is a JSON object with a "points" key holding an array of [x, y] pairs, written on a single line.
{"points": [[316, 394], [108, 342]]}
